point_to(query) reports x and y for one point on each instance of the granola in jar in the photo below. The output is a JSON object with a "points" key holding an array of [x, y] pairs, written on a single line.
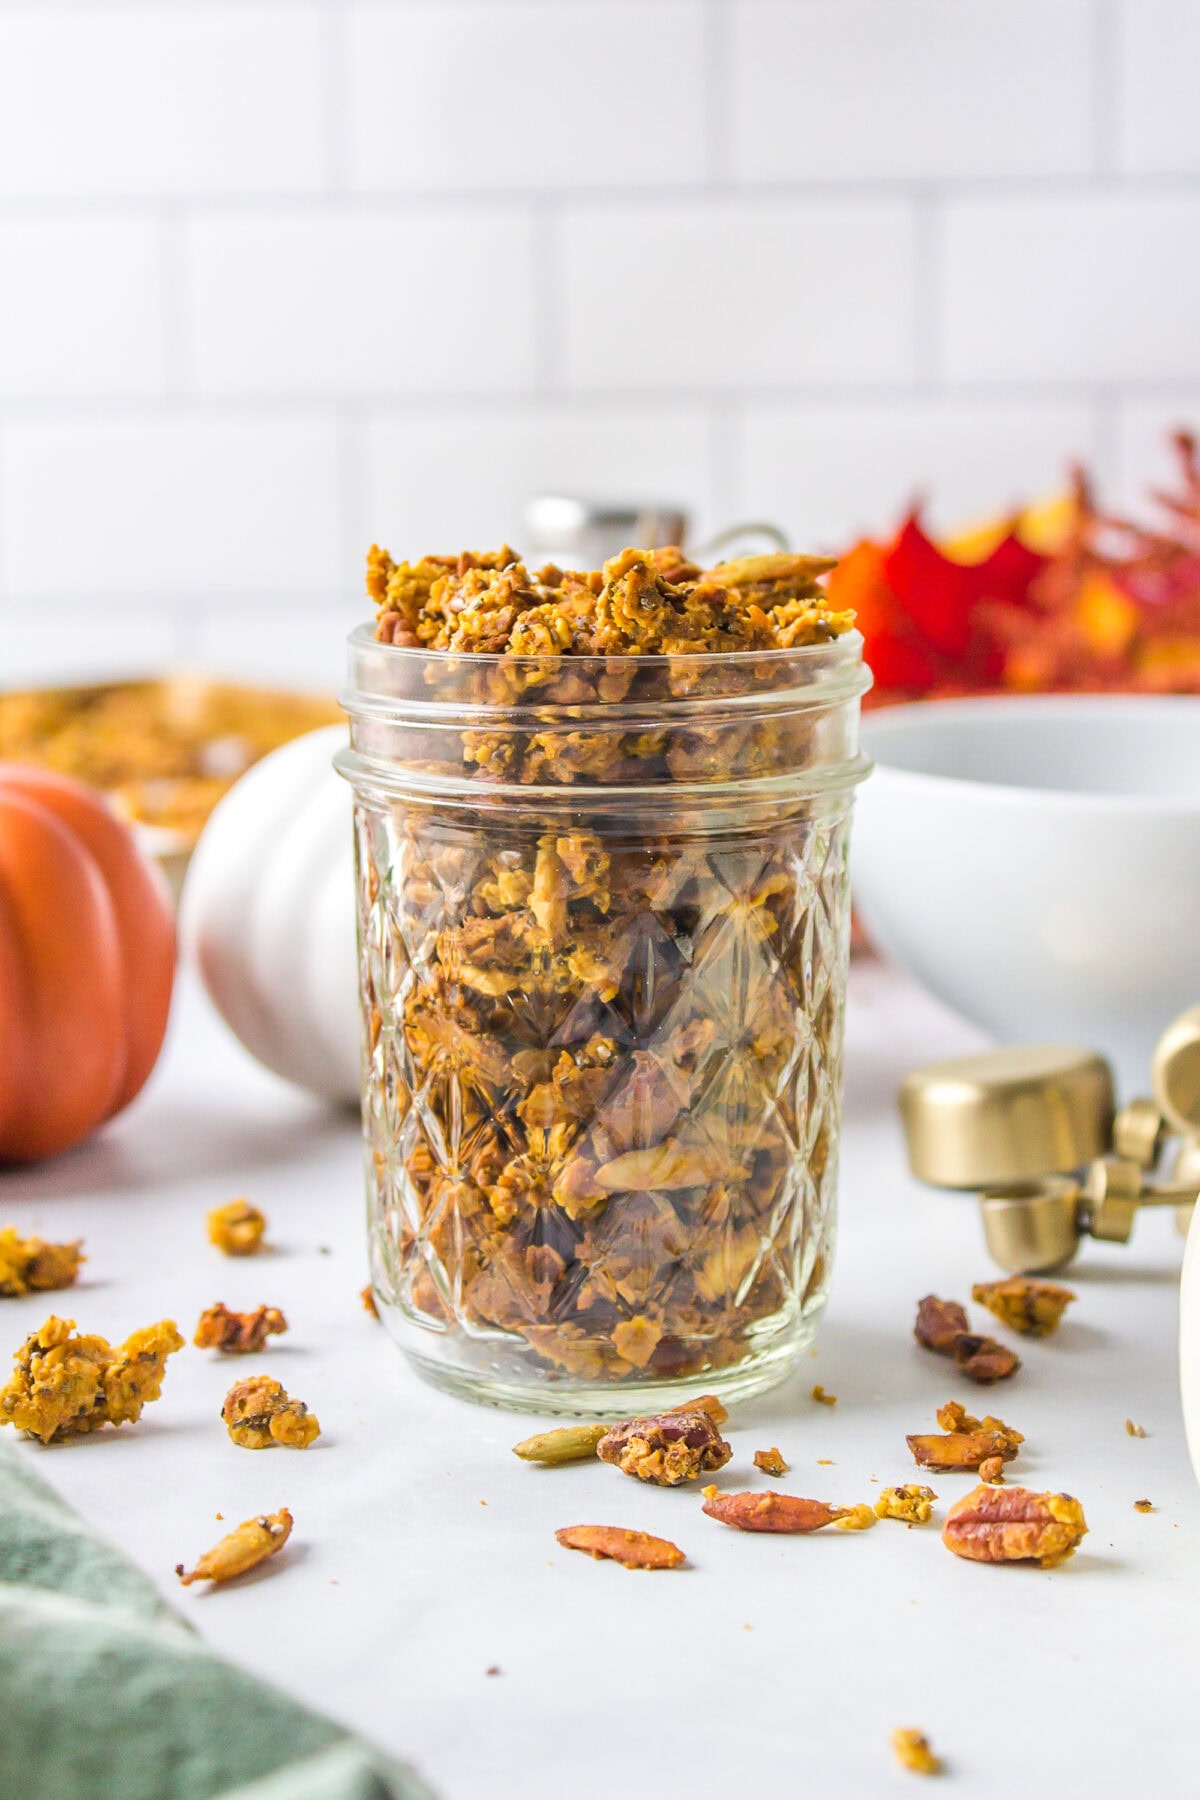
{"points": [[601, 825]]}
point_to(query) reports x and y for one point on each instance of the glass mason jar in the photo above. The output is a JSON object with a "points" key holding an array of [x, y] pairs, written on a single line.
{"points": [[604, 926]]}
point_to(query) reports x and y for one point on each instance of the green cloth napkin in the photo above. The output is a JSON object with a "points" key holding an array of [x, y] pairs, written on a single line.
{"points": [[106, 1693]]}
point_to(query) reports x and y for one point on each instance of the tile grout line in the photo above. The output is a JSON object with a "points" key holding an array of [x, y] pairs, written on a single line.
{"points": [[1105, 89], [336, 97], [929, 284]]}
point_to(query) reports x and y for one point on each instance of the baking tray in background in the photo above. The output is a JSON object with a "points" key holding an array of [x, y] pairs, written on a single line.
{"points": [[162, 748]]}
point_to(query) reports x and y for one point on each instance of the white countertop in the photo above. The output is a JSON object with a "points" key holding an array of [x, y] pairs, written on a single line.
{"points": [[424, 1553]]}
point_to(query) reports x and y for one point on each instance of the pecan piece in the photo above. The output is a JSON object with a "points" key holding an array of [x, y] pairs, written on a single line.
{"points": [[770, 1512], [1013, 1524], [770, 1462], [939, 1322], [912, 1505], [968, 1441], [983, 1360], [237, 1334], [961, 1450], [633, 1549], [666, 1449], [1031, 1307], [252, 1542]]}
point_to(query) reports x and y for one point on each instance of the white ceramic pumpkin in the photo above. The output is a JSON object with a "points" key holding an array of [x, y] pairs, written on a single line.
{"points": [[268, 915]]}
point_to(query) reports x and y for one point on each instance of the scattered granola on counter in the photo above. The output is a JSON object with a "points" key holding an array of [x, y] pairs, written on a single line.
{"points": [[63, 1385], [251, 1543], [991, 1470], [368, 1299], [633, 1549], [258, 1413], [1143, 1506], [770, 1462], [237, 1228], [1013, 1524], [911, 1504], [942, 1326], [913, 1752], [968, 1442], [822, 1398], [235, 1333], [770, 1512], [666, 1449], [1032, 1307], [1133, 1430], [29, 1265]]}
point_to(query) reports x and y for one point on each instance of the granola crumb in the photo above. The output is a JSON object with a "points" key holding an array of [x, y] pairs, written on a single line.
{"points": [[237, 1228], [770, 1461], [856, 1518], [991, 1470], [665, 1449], [258, 1413], [238, 1334], [1031, 1307], [368, 1299], [822, 1398], [912, 1752], [911, 1504], [29, 1265], [1143, 1506], [495, 1669], [1133, 1430]]}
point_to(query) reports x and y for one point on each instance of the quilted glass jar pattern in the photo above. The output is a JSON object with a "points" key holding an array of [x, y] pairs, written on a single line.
{"points": [[603, 928]]}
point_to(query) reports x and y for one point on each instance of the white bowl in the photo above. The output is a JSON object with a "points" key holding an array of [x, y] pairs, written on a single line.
{"points": [[1036, 862]]}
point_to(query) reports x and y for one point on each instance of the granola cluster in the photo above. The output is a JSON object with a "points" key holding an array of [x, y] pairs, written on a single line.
{"points": [[64, 1383], [642, 603], [603, 1045]]}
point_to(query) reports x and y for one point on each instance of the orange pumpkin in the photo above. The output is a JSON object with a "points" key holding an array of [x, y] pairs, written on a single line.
{"points": [[87, 960]]}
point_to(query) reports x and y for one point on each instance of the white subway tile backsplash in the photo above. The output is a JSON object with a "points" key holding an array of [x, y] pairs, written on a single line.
{"points": [[709, 295], [118, 99], [829, 473], [1094, 288], [182, 511], [373, 302], [280, 275], [81, 308], [438, 483], [596, 93], [884, 89], [1158, 56]]}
